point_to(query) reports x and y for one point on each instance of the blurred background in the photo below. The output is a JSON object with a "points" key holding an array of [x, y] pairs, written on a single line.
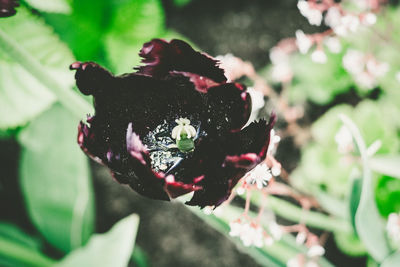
{"points": [[336, 181]]}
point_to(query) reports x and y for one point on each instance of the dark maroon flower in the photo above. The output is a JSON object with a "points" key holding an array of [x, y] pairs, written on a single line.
{"points": [[172, 127], [7, 8]]}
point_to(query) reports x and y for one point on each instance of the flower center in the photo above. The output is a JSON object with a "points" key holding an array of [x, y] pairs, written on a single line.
{"points": [[171, 142], [184, 133]]}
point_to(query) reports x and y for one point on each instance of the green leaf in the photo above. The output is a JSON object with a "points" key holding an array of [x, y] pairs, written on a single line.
{"points": [[371, 262], [326, 127], [139, 257], [12, 232], [392, 261], [181, 3], [133, 23], [9, 133], [113, 248], [318, 82], [19, 249], [87, 38], [53, 6], [369, 224], [355, 195], [377, 123], [23, 96], [331, 204], [55, 180], [388, 165], [323, 167], [349, 244], [387, 194]]}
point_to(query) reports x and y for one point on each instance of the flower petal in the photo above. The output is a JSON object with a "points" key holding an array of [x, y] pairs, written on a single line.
{"points": [[86, 141], [245, 150], [201, 83], [244, 161], [214, 191], [91, 77], [254, 138], [175, 189], [138, 170], [7, 8], [228, 107], [225, 161], [161, 58], [136, 98]]}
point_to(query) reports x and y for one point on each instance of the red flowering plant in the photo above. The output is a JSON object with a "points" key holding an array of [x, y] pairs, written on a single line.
{"points": [[172, 127]]}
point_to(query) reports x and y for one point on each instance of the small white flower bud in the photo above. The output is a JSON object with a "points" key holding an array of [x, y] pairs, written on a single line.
{"points": [[369, 19], [319, 56], [301, 237], [315, 251], [303, 42]]}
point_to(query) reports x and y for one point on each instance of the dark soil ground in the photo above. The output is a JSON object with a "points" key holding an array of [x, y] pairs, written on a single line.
{"points": [[169, 234]]}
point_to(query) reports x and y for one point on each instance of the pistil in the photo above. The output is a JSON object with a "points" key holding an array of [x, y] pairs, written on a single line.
{"points": [[184, 133]]}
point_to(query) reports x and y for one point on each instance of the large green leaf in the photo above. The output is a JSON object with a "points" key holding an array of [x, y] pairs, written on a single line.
{"points": [[17, 248], [22, 96], [349, 243], [392, 261], [12, 232], [132, 24], [112, 249], [387, 195], [139, 257], [53, 6], [181, 3], [369, 224], [323, 167], [388, 165], [55, 179], [90, 20], [377, 123], [354, 200]]}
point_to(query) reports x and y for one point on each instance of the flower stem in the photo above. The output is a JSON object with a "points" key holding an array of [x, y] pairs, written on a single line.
{"points": [[23, 255], [294, 213], [276, 254], [68, 98]]}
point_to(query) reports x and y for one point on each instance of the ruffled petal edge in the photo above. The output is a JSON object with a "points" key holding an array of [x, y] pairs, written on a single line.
{"points": [[161, 57]]}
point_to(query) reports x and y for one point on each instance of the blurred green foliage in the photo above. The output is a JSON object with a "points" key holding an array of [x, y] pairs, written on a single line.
{"points": [[335, 177], [55, 180], [113, 248], [322, 83], [17, 99], [315, 83]]}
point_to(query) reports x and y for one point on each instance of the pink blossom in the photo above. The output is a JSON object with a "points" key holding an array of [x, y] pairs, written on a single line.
{"points": [[332, 17], [303, 42], [319, 56], [313, 15], [348, 24], [333, 44]]}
